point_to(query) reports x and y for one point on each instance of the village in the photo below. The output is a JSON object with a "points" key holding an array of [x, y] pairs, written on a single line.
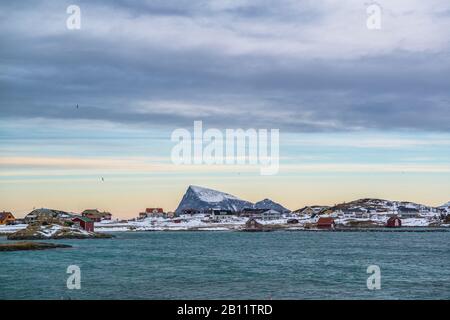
{"points": [[309, 218]]}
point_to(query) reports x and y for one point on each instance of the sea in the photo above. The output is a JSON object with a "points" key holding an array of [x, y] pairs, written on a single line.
{"points": [[234, 265]]}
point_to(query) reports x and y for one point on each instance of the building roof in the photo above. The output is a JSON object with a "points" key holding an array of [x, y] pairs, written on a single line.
{"points": [[325, 221], [91, 211], [156, 210], [4, 215]]}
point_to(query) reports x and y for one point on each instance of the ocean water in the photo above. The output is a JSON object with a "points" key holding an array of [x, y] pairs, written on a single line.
{"points": [[234, 265]]}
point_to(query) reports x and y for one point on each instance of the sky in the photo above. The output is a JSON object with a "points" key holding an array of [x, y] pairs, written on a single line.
{"points": [[361, 112]]}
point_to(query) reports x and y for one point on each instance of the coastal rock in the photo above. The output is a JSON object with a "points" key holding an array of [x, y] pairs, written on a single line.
{"points": [[54, 231], [362, 224], [22, 246]]}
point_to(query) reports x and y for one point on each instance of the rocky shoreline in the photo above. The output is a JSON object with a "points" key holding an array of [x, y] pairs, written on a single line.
{"points": [[25, 246], [54, 232]]}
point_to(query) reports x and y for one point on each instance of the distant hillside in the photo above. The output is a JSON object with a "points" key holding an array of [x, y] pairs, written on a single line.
{"points": [[379, 205], [269, 204]]}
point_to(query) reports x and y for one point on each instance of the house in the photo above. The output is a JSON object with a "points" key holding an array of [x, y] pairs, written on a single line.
{"points": [[406, 212], [154, 210], [252, 213], [326, 223], [253, 225], [47, 215], [308, 211], [271, 215], [96, 215], [394, 222], [152, 213], [6, 218], [170, 214], [155, 213], [312, 210], [219, 214], [84, 223], [191, 211]]}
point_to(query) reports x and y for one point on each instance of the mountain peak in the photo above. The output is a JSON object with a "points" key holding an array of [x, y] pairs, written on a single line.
{"points": [[270, 205], [210, 195], [201, 198]]}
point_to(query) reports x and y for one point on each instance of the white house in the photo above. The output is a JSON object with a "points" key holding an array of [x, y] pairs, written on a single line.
{"points": [[271, 215]]}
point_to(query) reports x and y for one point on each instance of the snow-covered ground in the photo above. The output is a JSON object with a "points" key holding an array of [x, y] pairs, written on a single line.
{"points": [[186, 222], [11, 228], [50, 231], [201, 222]]}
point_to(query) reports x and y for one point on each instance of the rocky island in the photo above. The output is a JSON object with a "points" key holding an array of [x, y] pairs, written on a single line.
{"points": [[42, 231]]}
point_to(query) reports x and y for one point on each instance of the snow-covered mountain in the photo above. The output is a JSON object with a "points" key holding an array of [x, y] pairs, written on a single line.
{"points": [[269, 204], [200, 198]]}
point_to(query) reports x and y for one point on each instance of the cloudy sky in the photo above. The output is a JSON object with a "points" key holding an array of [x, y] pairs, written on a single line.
{"points": [[362, 113]]}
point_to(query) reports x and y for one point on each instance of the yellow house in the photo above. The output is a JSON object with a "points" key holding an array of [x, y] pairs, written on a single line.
{"points": [[6, 217]]}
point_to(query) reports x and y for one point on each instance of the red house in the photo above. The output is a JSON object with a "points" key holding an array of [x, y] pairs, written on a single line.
{"points": [[326, 223], [394, 222], [84, 223]]}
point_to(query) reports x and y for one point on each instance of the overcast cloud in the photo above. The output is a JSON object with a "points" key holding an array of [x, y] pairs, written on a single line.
{"points": [[294, 65]]}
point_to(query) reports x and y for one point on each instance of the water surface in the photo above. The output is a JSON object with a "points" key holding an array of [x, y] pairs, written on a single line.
{"points": [[234, 265]]}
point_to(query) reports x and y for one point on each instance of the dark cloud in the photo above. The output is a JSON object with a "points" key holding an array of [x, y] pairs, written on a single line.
{"points": [[140, 80]]}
